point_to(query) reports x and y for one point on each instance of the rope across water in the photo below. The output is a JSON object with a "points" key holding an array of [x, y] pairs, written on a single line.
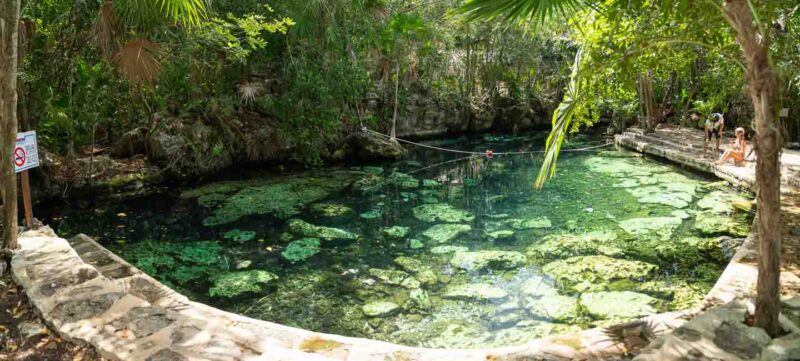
{"points": [[488, 153]]}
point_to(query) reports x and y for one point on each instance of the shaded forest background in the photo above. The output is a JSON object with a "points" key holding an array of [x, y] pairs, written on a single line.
{"points": [[287, 81]]}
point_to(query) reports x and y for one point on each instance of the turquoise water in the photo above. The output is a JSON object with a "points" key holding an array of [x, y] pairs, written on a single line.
{"points": [[436, 250]]}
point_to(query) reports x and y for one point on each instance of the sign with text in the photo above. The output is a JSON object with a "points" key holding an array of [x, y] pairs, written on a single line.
{"points": [[26, 152]]}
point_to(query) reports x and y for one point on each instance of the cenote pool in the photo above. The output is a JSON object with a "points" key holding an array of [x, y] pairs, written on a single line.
{"points": [[436, 250]]}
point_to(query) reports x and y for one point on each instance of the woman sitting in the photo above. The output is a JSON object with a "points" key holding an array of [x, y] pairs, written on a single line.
{"points": [[737, 151]]}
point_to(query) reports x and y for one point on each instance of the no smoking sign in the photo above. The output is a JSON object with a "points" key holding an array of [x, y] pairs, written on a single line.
{"points": [[26, 153]]}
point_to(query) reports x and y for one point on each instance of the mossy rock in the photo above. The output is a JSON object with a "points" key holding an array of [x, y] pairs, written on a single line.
{"points": [[222, 188], [394, 278], [710, 224], [448, 249], [720, 202], [554, 307], [301, 250], [421, 271], [476, 292], [373, 170], [559, 246], [282, 199], [211, 200], [442, 212], [415, 244], [488, 260], [403, 181], [371, 214], [238, 283], [657, 228], [304, 229], [395, 232], [533, 223], [443, 233], [500, 235], [368, 183], [238, 235], [595, 273], [381, 309], [623, 305], [330, 210]]}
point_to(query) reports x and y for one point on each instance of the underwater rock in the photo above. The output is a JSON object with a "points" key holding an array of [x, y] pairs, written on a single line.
{"points": [[420, 299], [421, 271], [443, 233], [442, 212], [237, 235], [553, 307], [381, 309], [559, 246], [395, 232], [476, 292], [660, 228], [211, 200], [500, 235], [722, 202], [371, 214], [711, 224], [394, 278], [594, 273], [304, 229], [283, 199], [679, 213], [482, 260], [368, 183], [238, 283], [373, 170], [618, 305], [448, 249], [657, 195], [301, 250], [627, 183], [330, 210], [430, 183], [415, 243], [533, 223], [403, 181], [504, 320], [536, 287]]}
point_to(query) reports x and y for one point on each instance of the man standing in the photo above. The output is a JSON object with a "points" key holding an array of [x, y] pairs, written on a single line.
{"points": [[715, 125]]}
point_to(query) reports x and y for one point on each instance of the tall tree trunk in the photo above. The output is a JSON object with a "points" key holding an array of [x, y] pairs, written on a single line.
{"points": [[762, 88], [9, 26]]}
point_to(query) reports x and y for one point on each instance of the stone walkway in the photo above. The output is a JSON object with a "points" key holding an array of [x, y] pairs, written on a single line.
{"points": [[719, 333]]}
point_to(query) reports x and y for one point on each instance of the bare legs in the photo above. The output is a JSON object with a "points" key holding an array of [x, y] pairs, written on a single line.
{"points": [[730, 154]]}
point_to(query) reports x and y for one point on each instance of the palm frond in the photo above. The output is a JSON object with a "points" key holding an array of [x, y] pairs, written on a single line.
{"points": [[562, 119], [248, 91], [147, 13], [511, 10], [137, 62]]}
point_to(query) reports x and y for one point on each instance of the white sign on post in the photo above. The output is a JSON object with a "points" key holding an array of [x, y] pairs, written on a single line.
{"points": [[26, 152], [784, 113]]}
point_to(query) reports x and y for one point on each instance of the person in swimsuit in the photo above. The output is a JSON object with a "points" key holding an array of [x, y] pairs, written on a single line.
{"points": [[715, 124], [737, 151]]}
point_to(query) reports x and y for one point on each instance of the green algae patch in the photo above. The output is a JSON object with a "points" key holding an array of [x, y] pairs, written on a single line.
{"points": [[711, 224], [238, 283], [623, 305], [442, 212], [658, 228], [282, 199], [238, 235], [595, 273], [316, 344], [443, 233], [330, 210], [301, 250], [304, 229], [559, 246], [488, 260], [395, 232]]}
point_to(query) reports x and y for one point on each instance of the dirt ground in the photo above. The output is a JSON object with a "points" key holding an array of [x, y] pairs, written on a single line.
{"points": [[23, 335]]}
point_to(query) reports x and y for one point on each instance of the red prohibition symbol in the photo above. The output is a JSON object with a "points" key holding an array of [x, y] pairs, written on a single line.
{"points": [[19, 157]]}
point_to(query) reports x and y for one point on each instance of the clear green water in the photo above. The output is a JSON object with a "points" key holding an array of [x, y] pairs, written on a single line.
{"points": [[476, 257]]}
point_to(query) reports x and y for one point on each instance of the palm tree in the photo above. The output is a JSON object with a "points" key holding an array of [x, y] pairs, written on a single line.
{"points": [[135, 59], [754, 39]]}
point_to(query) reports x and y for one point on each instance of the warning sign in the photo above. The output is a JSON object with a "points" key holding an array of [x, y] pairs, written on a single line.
{"points": [[26, 153]]}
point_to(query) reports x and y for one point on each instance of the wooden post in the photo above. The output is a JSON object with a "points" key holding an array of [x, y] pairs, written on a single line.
{"points": [[26, 199]]}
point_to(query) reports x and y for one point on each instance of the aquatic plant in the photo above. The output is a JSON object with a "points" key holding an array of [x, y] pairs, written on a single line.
{"points": [[283, 199], [236, 284], [238, 235], [178, 263], [301, 249], [330, 210], [443, 233], [395, 232], [304, 229]]}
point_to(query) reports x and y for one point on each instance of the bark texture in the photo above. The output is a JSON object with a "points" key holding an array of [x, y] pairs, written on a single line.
{"points": [[9, 27], [761, 80]]}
